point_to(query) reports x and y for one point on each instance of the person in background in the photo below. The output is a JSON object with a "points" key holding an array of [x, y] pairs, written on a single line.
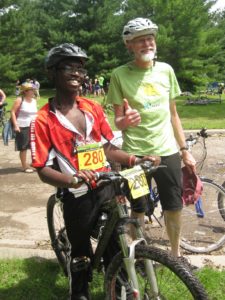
{"points": [[2, 99], [24, 110], [17, 92], [96, 87], [143, 93], [101, 80], [61, 137], [37, 87]]}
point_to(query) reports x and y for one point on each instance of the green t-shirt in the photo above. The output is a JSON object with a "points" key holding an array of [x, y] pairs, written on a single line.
{"points": [[149, 91], [101, 80]]}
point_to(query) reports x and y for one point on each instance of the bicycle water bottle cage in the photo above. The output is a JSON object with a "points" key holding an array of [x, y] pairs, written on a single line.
{"points": [[80, 263]]}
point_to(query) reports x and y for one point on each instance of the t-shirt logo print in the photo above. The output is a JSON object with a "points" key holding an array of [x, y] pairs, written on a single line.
{"points": [[149, 89]]}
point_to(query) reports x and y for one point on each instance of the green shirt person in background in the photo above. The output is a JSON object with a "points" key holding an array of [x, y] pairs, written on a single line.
{"points": [[143, 92]]}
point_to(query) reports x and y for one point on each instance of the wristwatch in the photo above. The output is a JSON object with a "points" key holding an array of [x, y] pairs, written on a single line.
{"points": [[184, 148]]}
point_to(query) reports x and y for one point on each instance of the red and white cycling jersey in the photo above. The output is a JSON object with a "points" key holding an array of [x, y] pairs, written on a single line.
{"points": [[54, 139]]}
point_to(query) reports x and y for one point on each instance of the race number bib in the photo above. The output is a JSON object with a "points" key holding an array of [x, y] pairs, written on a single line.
{"points": [[91, 157], [137, 181]]}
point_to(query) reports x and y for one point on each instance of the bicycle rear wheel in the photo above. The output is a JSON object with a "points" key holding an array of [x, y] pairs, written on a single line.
{"points": [[221, 202], [204, 231], [173, 280], [57, 232]]}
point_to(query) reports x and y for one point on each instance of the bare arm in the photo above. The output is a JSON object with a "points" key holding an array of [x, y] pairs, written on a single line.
{"points": [[2, 97], [14, 109], [113, 153], [58, 179], [188, 159]]}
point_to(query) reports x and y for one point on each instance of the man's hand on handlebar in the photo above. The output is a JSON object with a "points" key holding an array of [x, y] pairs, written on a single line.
{"points": [[156, 160]]}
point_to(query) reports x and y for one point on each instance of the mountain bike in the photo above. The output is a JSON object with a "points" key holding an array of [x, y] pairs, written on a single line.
{"points": [[4, 114], [203, 229], [138, 270], [203, 224]]}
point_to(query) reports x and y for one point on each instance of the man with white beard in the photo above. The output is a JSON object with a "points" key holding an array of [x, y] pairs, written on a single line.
{"points": [[143, 92]]}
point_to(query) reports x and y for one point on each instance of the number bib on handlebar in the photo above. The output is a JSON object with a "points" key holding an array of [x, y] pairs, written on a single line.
{"points": [[137, 181], [91, 157]]}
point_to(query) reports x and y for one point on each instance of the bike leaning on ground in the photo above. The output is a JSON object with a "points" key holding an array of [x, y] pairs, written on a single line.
{"points": [[4, 114], [136, 269], [204, 223]]}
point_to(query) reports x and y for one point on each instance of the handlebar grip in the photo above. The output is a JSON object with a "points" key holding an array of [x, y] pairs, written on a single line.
{"points": [[77, 180]]}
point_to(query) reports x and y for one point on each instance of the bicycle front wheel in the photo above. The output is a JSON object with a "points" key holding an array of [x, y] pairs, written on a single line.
{"points": [[203, 224], [57, 232], [172, 279], [199, 152]]}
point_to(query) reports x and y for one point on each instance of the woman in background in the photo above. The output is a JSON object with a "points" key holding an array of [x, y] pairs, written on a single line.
{"points": [[24, 110]]}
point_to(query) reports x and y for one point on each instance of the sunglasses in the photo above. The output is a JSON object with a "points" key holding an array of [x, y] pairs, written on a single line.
{"points": [[73, 69]]}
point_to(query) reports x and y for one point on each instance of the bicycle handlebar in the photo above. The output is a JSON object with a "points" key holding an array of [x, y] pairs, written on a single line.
{"points": [[111, 176], [202, 133]]}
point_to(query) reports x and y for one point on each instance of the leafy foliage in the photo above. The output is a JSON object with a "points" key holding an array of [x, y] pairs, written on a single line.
{"points": [[190, 38]]}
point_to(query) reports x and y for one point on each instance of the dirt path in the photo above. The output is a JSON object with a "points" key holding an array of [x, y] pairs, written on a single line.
{"points": [[23, 196], [23, 199]]}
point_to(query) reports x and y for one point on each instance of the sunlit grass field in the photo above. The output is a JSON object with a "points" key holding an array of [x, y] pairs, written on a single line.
{"points": [[211, 116], [42, 279]]}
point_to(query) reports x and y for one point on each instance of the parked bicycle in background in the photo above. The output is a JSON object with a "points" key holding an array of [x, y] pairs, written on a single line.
{"points": [[203, 228], [4, 114]]}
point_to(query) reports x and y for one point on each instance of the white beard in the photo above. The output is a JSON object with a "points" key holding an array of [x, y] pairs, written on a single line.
{"points": [[147, 57]]}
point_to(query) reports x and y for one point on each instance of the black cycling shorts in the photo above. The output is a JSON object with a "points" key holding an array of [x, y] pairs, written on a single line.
{"points": [[22, 140], [169, 185]]}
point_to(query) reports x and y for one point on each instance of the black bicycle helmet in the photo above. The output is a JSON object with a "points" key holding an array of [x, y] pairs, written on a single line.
{"points": [[59, 53]]}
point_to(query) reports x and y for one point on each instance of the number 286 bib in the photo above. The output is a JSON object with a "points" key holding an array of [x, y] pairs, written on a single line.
{"points": [[91, 156]]}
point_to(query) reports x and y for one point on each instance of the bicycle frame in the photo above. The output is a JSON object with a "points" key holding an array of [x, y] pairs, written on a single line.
{"points": [[131, 267], [120, 213]]}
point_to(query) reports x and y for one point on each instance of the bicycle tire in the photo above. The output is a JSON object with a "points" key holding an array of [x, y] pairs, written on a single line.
{"points": [[7, 115], [205, 234], [199, 152], [221, 202], [4, 117], [174, 280], [57, 232]]}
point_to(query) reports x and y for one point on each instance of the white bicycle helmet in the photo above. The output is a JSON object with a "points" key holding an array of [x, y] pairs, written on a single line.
{"points": [[138, 27]]}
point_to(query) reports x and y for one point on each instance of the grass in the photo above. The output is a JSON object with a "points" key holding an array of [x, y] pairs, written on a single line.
{"points": [[211, 116], [40, 279]]}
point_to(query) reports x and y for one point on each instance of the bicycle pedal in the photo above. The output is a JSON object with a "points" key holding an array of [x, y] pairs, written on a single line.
{"points": [[80, 263]]}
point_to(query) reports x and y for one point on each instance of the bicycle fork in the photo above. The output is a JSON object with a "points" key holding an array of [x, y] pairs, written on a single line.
{"points": [[129, 261]]}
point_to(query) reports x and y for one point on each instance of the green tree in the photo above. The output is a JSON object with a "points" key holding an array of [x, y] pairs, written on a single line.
{"points": [[190, 38]]}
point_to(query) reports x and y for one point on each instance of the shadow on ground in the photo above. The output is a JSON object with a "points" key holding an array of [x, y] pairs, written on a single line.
{"points": [[7, 171]]}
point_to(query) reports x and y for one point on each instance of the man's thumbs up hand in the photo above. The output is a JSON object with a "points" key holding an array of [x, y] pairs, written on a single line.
{"points": [[132, 116], [126, 105]]}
